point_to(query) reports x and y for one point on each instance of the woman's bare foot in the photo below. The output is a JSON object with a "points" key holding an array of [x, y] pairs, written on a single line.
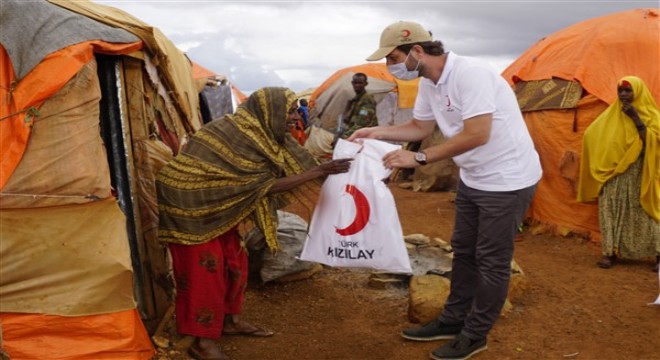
{"points": [[206, 349]]}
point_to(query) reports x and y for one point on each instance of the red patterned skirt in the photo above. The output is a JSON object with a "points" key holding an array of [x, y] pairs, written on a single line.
{"points": [[210, 282]]}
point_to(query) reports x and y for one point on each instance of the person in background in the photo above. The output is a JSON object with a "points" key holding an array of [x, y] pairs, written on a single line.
{"points": [[239, 168], [360, 111], [487, 138], [297, 128], [303, 111], [620, 167]]}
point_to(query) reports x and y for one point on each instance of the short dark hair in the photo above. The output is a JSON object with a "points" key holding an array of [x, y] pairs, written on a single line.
{"points": [[430, 47], [303, 102], [362, 75]]}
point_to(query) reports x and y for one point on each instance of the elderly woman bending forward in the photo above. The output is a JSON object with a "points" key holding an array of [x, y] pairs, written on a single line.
{"points": [[241, 167]]}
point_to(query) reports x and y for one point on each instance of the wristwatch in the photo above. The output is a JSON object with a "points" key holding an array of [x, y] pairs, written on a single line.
{"points": [[420, 157]]}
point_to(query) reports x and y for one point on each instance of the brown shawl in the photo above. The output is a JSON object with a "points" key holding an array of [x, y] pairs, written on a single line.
{"points": [[225, 172]]}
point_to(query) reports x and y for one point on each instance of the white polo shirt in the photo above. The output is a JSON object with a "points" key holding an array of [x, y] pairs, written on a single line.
{"points": [[469, 87]]}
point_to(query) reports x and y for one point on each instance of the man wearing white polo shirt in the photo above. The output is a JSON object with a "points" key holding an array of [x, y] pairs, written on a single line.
{"points": [[487, 138]]}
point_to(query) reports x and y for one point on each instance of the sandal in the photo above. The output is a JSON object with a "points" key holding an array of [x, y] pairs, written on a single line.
{"points": [[248, 329], [606, 262]]}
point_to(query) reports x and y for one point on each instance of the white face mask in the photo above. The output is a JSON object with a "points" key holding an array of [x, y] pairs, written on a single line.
{"points": [[401, 72]]}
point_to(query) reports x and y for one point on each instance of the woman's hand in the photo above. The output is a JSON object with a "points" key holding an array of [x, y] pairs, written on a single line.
{"points": [[325, 169], [630, 110], [335, 166]]}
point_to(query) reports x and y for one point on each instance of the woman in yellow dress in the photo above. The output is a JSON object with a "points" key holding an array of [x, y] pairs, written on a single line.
{"points": [[620, 167]]}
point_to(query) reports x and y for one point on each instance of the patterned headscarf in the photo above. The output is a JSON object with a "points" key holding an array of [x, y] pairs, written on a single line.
{"points": [[224, 174], [612, 143]]}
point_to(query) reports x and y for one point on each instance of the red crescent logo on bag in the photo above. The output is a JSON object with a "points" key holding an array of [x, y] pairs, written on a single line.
{"points": [[362, 211]]}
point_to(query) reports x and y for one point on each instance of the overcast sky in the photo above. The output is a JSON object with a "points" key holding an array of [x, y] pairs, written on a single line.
{"points": [[300, 44]]}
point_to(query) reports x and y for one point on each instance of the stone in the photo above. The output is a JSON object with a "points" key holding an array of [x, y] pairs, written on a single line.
{"points": [[384, 281], [441, 243], [430, 251], [412, 249], [427, 296], [506, 308], [564, 231], [428, 288], [161, 342], [515, 268], [405, 184], [517, 287], [301, 275], [538, 229], [430, 258], [417, 239]]}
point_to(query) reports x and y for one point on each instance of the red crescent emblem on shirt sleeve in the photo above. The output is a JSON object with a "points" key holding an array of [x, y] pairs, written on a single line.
{"points": [[362, 211]]}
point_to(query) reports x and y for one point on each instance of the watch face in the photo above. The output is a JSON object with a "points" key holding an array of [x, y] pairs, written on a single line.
{"points": [[420, 157]]}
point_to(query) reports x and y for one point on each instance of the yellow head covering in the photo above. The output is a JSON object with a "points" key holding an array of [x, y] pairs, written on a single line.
{"points": [[612, 143]]}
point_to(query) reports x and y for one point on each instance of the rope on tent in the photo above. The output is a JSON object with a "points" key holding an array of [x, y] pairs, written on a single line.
{"points": [[31, 112]]}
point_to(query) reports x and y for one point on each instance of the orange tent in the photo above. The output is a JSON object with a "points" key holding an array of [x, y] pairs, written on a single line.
{"points": [[28, 94], [200, 72], [563, 83], [92, 103]]}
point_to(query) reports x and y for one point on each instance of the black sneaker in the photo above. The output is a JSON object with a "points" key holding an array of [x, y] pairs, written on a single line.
{"points": [[461, 348], [434, 330]]}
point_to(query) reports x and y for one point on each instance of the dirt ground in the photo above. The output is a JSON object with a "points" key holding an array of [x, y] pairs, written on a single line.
{"points": [[571, 310]]}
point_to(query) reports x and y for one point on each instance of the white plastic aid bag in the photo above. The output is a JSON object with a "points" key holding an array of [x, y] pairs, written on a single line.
{"points": [[355, 222]]}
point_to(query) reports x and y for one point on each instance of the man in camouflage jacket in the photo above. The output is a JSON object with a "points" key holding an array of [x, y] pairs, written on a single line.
{"points": [[360, 111]]}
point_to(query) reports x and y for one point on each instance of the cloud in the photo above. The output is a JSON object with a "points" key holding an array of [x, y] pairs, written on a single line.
{"points": [[300, 44]]}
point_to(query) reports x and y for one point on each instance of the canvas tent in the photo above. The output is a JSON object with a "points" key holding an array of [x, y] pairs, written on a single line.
{"points": [[563, 83], [92, 103], [395, 98], [305, 94]]}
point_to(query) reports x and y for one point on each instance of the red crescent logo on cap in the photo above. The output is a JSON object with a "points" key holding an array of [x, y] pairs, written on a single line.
{"points": [[405, 33]]}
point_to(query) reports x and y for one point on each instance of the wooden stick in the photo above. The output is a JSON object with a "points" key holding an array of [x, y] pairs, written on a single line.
{"points": [[163, 322]]}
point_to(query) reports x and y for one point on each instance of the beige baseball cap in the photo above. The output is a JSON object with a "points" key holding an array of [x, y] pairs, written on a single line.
{"points": [[399, 33]]}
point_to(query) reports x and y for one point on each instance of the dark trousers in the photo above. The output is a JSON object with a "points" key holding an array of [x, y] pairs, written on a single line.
{"points": [[484, 232]]}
